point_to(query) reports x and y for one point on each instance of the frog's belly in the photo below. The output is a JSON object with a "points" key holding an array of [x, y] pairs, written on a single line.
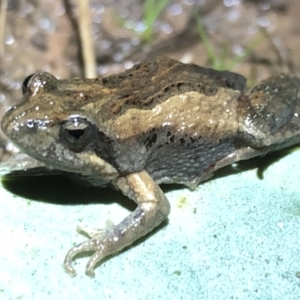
{"points": [[186, 165]]}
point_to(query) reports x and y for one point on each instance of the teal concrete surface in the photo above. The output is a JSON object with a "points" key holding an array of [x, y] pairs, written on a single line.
{"points": [[236, 237]]}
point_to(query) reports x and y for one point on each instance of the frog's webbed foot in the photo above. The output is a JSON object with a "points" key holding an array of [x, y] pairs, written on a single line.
{"points": [[153, 207]]}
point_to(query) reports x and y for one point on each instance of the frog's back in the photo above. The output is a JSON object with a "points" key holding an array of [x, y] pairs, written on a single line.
{"points": [[175, 137], [153, 82]]}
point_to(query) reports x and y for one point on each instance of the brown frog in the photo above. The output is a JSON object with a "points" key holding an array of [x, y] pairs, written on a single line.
{"points": [[160, 122]]}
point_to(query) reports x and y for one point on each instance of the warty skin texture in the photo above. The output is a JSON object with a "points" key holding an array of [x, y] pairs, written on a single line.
{"points": [[160, 122]]}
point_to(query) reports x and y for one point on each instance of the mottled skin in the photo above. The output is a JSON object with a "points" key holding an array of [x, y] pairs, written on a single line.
{"points": [[160, 122]]}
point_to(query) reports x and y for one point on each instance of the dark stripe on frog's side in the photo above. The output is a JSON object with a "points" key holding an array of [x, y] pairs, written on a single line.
{"points": [[153, 82], [181, 159], [165, 154]]}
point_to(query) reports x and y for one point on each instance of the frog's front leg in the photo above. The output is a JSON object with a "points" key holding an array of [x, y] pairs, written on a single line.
{"points": [[153, 207]]}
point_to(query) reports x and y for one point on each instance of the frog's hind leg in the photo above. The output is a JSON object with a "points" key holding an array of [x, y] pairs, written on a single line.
{"points": [[269, 115]]}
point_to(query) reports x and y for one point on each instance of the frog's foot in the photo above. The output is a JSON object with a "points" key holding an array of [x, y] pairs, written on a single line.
{"points": [[152, 209]]}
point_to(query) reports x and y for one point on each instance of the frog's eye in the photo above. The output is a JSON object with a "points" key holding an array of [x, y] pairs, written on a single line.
{"points": [[38, 82], [77, 133], [25, 83]]}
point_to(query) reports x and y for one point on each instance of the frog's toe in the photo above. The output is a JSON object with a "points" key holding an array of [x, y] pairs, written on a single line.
{"points": [[92, 263], [68, 264], [95, 233], [83, 247], [69, 270], [90, 232]]}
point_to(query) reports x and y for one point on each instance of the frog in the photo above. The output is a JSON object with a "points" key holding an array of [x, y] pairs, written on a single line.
{"points": [[160, 122]]}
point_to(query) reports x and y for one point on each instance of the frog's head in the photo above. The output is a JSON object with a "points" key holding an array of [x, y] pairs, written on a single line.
{"points": [[49, 126]]}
